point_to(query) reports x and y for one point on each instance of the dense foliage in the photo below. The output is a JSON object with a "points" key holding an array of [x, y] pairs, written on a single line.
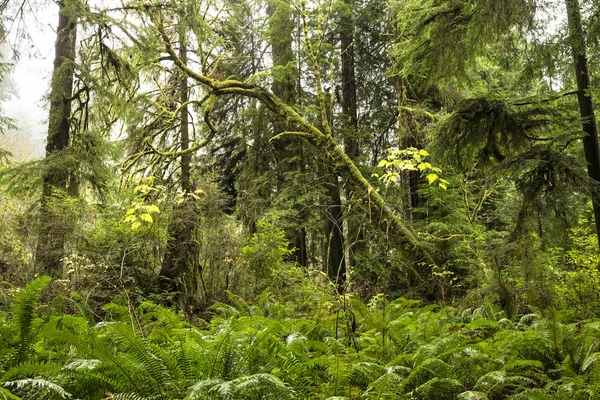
{"points": [[305, 199], [267, 349]]}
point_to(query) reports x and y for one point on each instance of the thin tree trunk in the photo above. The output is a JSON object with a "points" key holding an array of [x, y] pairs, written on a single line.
{"points": [[408, 136], [186, 184], [57, 178], [335, 263], [586, 104], [351, 145]]}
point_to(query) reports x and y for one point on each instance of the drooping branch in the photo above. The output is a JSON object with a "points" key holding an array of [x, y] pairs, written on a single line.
{"points": [[190, 150], [532, 101]]}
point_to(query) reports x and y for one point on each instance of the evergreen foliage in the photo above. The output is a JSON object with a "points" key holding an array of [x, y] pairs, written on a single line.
{"points": [[308, 199]]}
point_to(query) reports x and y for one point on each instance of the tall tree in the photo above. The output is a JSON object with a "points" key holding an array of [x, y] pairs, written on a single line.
{"points": [[288, 153], [586, 104], [348, 79], [336, 257], [180, 269], [58, 179]]}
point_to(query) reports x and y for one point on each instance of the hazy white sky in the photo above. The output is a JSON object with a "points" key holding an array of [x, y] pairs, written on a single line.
{"points": [[31, 76]]}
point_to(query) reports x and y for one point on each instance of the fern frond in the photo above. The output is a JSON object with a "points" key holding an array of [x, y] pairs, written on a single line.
{"points": [[527, 321], [41, 384], [499, 382], [439, 389], [203, 389], [256, 386], [127, 396], [387, 386], [427, 370], [22, 314], [590, 361], [448, 346], [5, 394], [471, 395], [32, 369]]}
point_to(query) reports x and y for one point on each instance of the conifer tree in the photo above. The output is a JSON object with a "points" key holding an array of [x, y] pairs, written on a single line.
{"points": [[58, 180], [288, 153], [180, 270], [586, 103]]}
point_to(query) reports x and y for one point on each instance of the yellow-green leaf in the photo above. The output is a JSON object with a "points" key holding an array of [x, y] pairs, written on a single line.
{"points": [[424, 166], [432, 178], [146, 218], [153, 209]]}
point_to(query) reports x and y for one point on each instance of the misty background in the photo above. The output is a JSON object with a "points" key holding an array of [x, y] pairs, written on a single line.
{"points": [[29, 48]]}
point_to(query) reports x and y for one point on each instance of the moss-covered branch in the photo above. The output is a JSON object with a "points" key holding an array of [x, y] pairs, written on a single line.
{"points": [[322, 141]]}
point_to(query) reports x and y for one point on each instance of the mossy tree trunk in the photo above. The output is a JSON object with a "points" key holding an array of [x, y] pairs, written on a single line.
{"points": [[180, 273], [281, 26], [586, 103], [58, 180]]}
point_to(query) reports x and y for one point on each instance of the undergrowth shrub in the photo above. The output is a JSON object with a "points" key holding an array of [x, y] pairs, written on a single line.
{"points": [[271, 349]]}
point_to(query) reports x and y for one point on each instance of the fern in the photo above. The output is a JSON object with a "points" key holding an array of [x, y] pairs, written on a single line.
{"points": [[435, 353], [258, 386], [22, 314], [42, 386], [471, 395], [439, 389], [500, 382], [5, 394], [429, 369], [387, 386], [32, 369]]}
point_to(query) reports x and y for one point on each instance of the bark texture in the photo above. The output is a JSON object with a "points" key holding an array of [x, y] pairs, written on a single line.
{"points": [[181, 269], [586, 103], [281, 25], [58, 179]]}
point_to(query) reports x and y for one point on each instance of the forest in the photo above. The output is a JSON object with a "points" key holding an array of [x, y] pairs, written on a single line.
{"points": [[303, 199]]}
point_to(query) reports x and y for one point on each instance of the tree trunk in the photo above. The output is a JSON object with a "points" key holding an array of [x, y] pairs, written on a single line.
{"points": [[349, 101], [181, 265], [281, 26], [409, 135], [186, 185], [351, 147], [335, 263], [586, 104], [58, 180]]}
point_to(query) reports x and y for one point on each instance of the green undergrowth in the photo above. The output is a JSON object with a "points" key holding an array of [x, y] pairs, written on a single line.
{"points": [[267, 349]]}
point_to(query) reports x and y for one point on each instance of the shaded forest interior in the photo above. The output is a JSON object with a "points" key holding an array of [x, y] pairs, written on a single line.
{"points": [[378, 193]]}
